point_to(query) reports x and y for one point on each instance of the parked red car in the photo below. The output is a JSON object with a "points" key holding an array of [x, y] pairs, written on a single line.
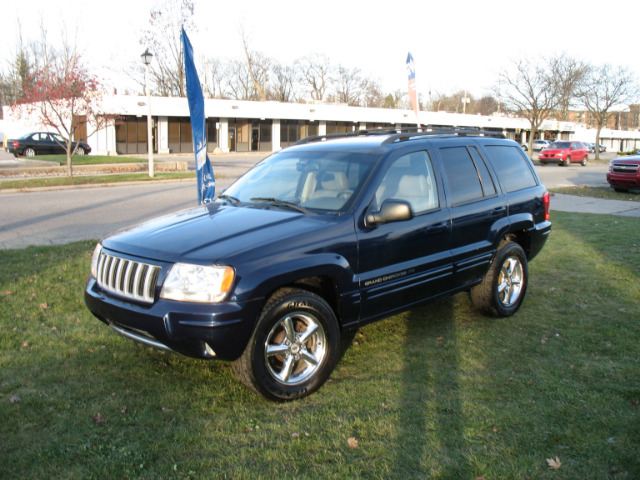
{"points": [[565, 153], [624, 173]]}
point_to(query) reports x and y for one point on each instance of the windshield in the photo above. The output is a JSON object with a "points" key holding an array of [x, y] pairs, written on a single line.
{"points": [[327, 181], [560, 145]]}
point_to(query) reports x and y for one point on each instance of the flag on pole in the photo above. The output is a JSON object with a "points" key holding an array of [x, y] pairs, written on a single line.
{"points": [[413, 94], [204, 171]]}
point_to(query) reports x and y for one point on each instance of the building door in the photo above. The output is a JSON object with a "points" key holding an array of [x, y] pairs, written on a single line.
{"points": [[255, 138], [232, 139]]}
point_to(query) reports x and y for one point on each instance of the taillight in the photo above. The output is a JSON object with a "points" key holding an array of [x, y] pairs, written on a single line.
{"points": [[16, 144], [547, 203]]}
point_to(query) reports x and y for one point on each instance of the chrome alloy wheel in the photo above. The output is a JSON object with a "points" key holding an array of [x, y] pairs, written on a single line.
{"points": [[510, 281], [295, 348]]}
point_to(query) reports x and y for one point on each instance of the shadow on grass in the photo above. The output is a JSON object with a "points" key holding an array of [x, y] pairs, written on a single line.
{"points": [[431, 427]]}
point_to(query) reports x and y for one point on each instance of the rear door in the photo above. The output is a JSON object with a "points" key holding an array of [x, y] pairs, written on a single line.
{"points": [[402, 263], [478, 211]]}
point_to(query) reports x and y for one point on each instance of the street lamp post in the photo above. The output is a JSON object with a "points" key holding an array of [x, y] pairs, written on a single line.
{"points": [[146, 59]]}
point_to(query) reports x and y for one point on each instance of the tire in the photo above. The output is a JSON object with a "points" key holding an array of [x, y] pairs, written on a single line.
{"points": [[567, 162], [80, 151], [280, 362], [584, 161], [620, 190], [503, 288], [29, 152]]}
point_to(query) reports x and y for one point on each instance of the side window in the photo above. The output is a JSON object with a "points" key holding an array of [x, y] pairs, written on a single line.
{"points": [[410, 178], [511, 166], [488, 187], [462, 177]]}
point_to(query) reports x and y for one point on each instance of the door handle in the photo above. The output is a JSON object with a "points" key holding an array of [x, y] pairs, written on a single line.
{"points": [[438, 227], [499, 210]]}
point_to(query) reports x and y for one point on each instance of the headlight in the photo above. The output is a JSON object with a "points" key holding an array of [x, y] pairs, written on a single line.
{"points": [[95, 259], [197, 283]]}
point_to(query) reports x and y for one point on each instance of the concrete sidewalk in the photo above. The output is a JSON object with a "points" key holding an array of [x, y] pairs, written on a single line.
{"points": [[573, 203]]}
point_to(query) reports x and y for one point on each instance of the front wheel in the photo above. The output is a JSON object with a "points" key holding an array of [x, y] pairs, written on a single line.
{"points": [[293, 349], [567, 162], [80, 151], [584, 161], [503, 288]]}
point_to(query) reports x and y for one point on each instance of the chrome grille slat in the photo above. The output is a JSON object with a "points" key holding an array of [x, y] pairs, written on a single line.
{"points": [[128, 278]]}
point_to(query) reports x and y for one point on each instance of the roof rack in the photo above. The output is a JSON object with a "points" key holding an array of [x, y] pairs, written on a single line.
{"points": [[404, 134]]}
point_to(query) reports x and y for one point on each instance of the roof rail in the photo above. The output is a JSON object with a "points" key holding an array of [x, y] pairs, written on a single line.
{"points": [[442, 131], [403, 134]]}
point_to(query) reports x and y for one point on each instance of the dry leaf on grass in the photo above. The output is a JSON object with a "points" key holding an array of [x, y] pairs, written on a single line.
{"points": [[99, 420], [554, 464], [353, 443]]}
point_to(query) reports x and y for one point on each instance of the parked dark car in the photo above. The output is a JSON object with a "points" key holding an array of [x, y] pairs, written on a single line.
{"points": [[322, 238], [624, 173], [564, 153], [43, 143]]}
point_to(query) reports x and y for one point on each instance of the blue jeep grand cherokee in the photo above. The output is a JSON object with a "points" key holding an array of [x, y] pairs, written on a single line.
{"points": [[319, 239]]}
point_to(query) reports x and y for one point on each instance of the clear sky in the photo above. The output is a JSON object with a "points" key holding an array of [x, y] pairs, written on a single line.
{"points": [[456, 45]]}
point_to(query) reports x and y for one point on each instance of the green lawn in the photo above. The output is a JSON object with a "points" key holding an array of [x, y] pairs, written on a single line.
{"points": [[606, 193], [439, 392], [89, 159], [51, 181]]}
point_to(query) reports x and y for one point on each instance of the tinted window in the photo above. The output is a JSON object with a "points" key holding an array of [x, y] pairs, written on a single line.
{"points": [[488, 186], [512, 167], [462, 176]]}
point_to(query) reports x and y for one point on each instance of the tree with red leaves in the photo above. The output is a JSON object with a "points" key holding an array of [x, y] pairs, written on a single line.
{"points": [[65, 97]]}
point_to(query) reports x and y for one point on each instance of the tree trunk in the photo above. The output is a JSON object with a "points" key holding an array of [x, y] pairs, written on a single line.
{"points": [[597, 149]]}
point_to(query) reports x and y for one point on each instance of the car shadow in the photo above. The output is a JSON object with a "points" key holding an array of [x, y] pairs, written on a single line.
{"points": [[430, 429]]}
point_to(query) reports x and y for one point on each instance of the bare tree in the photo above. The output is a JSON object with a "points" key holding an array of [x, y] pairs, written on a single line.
{"points": [[258, 66], [348, 85], [162, 38], [534, 89], [314, 75], [212, 78], [238, 81], [570, 74], [372, 96], [604, 89], [282, 87]]}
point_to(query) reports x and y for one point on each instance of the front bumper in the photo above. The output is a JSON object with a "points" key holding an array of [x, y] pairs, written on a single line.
{"points": [[622, 180], [220, 330]]}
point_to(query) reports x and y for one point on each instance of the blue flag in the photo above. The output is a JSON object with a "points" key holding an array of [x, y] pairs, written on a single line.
{"points": [[204, 171]]}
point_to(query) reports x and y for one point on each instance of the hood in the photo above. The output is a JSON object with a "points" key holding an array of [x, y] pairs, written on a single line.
{"points": [[215, 232]]}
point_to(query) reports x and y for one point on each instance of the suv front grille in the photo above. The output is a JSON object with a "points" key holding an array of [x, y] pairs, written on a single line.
{"points": [[128, 278], [628, 168]]}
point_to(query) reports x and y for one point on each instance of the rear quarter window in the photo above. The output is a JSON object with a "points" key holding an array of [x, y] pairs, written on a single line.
{"points": [[511, 166]]}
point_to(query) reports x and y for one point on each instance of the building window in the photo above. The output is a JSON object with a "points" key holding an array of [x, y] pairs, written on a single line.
{"points": [[131, 135]]}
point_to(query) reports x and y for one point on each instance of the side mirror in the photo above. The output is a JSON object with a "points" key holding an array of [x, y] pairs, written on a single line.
{"points": [[390, 211]]}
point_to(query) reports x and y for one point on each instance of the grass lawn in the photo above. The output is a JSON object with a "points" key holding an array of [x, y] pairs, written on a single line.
{"points": [[606, 193], [92, 180], [439, 392], [89, 159]]}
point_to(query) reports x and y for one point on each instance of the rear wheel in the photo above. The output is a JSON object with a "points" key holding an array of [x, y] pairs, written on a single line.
{"points": [[29, 152], [294, 346], [503, 288]]}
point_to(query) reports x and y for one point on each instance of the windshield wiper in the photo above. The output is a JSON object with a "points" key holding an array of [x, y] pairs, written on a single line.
{"points": [[229, 198], [280, 203]]}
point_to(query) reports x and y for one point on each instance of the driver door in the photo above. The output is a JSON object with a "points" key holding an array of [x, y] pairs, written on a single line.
{"points": [[402, 263]]}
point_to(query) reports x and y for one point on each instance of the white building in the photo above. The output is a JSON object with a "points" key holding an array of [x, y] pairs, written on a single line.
{"points": [[243, 126]]}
